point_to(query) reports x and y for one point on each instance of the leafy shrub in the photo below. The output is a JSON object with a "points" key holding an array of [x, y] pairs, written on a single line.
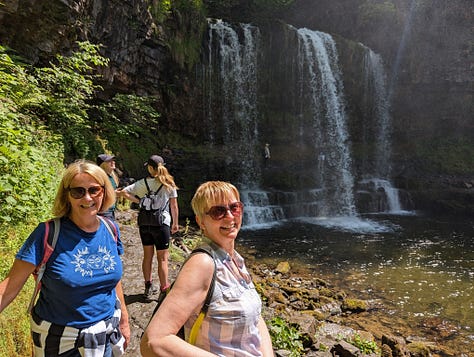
{"points": [[285, 336], [30, 155], [69, 86], [365, 346]]}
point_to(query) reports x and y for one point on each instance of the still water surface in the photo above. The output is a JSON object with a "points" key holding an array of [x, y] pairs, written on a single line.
{"points": [[421, 268]]}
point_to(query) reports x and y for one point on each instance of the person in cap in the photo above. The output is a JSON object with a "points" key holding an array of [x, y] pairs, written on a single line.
{"points": [[153, 236], [107, 163]]}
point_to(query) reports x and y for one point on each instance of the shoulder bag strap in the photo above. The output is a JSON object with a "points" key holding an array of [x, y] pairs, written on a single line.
{"points": [[49, 243], [197, 324], [146, 184], [110, 227]]}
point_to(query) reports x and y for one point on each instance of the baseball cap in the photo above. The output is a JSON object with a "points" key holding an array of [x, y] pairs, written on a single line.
{"points": [[154, 161], [104, 158]]}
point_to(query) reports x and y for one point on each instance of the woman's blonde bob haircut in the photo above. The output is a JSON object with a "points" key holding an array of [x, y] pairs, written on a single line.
{"points": [[211, 193], [62, 206]]}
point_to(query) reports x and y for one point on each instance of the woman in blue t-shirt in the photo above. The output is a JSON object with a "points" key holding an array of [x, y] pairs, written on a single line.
{"points": [[81, 309]]}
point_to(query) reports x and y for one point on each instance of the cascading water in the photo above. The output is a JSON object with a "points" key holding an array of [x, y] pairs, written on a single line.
{"points": [[377, 115], [232, 64], [322, 90], [234, 71], [315, 121]]}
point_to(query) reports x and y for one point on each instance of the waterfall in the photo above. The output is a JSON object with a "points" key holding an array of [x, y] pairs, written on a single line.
{"points": [[304, 91], [377, 114], [321, 86], [232, 65]]}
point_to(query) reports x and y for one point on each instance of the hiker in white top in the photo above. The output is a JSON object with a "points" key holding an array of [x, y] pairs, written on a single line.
{"points": [[155, 234]]}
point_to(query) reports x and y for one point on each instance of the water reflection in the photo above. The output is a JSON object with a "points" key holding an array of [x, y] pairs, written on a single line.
{"points": [[422, 269]]}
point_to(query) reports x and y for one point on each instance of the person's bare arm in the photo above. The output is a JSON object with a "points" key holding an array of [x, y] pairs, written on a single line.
{"points": [[186, 296], [266, 341], [124, 324], [14, 282], [127, 195], [174, 214]]}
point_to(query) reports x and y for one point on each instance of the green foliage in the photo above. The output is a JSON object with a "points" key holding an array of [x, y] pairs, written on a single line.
{"points": [[272, 5], [129, 114], [365, 346], [285, 336], [131, 125], [30, 155], [453, 156], [185, 39], [376, 12], [160, 9], [31, 159], [68, 86]]}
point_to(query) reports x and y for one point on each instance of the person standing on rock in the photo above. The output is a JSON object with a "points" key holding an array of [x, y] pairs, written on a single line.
{"points": [[156, 236], [81, 309], [233, 325]]}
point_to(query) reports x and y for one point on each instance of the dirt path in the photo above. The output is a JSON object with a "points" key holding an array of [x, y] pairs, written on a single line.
{"points": [[139, 309]]}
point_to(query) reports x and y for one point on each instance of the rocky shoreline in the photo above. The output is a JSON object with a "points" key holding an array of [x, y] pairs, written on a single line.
{"points": [[318, 318]]}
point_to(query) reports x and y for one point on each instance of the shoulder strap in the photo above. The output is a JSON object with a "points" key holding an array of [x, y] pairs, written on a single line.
{"points": [[207, 302], [111, 227], [197, 324], [146, 184], [50, 239], [148, 187]]}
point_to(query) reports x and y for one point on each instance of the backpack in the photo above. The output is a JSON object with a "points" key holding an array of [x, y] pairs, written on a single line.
{"points": [[197, 324], [151, 208], [51, 234]]}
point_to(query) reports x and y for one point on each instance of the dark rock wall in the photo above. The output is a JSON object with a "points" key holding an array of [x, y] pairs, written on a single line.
{"points": [[426, 45]]}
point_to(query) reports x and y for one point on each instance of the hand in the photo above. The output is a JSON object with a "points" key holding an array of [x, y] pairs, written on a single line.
{"points": [[125, 330], [174, 228]]}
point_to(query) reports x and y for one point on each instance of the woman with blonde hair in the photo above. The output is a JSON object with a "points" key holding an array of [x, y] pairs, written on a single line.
{"points": [[156, 235], [81, 308], [232, 325]]}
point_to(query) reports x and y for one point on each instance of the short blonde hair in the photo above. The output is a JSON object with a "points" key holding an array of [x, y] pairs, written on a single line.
{"points": [[62, 207], [210, 193]]}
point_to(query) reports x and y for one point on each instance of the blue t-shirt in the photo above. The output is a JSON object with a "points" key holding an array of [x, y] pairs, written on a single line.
{"points": [[78, 285]]}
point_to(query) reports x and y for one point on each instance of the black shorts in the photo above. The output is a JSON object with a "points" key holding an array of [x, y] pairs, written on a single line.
{"points": [[159, 236]]}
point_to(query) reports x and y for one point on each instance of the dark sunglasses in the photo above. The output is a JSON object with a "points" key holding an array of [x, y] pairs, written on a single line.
{"points": [[79, 192], [219, 212]]}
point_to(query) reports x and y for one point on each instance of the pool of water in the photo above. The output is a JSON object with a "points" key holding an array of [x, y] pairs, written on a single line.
{"points": [[421, 268]]}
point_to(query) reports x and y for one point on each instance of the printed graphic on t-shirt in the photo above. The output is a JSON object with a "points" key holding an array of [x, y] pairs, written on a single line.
{"points": [[86, 263]]}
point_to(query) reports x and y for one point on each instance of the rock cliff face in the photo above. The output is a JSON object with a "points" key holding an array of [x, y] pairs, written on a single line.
{"points": [[426, 47]]}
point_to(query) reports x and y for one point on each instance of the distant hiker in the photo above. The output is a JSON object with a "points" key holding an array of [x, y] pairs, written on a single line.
{"points": [[266, 154], [321, 160], [266, 151], [157, 218], [107, 163], [233, 325], [81, 309]]}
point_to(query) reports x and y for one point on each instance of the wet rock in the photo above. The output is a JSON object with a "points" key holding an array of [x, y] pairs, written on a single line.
{"points": [[354, 305], [418, 349], [397, 344], [345, 349], [283, 267]]}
